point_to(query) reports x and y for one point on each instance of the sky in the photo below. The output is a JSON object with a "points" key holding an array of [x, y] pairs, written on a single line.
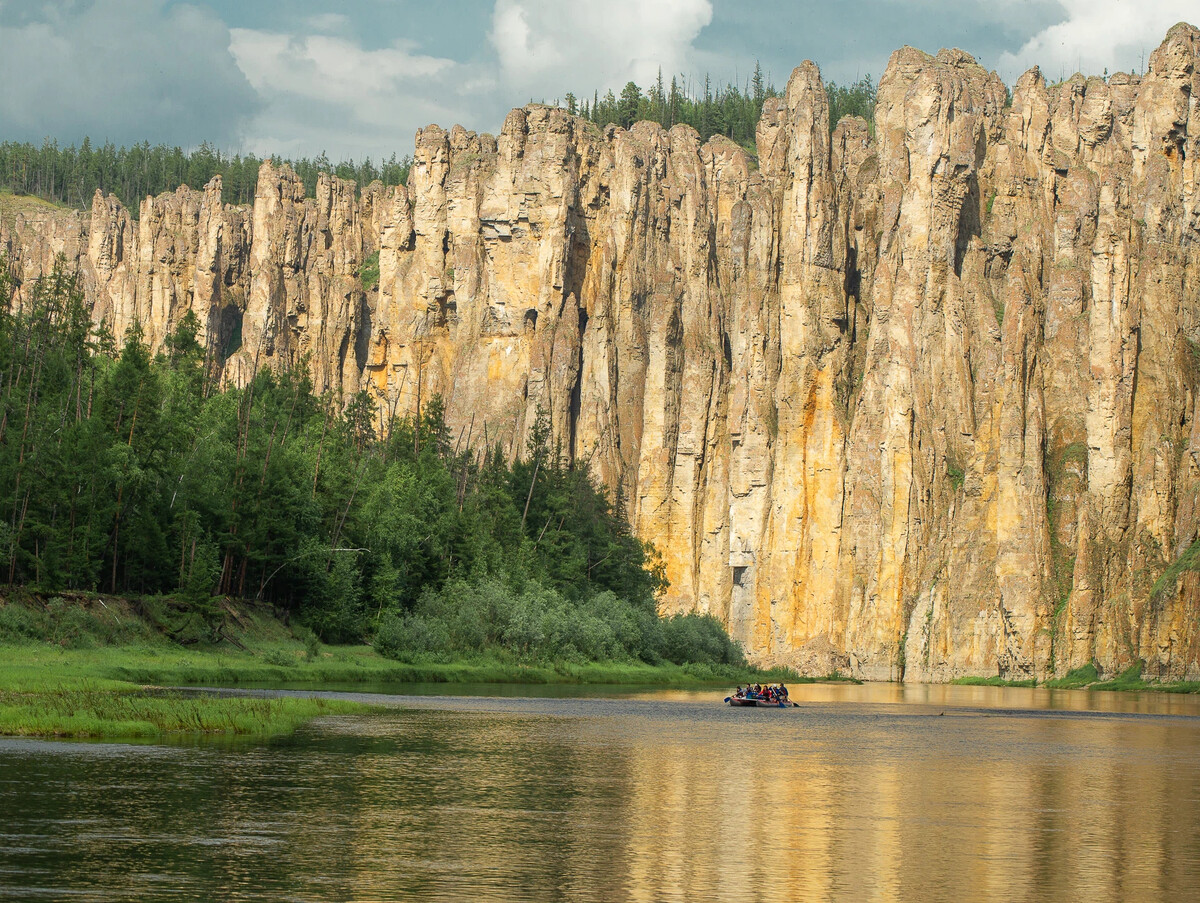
{"points": [[357, 78]]}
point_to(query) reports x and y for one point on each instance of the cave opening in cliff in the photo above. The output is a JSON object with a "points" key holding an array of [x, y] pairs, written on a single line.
{"points": [[362, 335], [577, 389], [225, 329], [852, 283], [969, 224], [447, 310], [740, 598]]}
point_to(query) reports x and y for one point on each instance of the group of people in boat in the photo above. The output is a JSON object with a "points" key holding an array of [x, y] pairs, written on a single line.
{"points": [[771, 692]]}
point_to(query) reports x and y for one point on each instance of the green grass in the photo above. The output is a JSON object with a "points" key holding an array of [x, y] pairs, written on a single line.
{"points": [[1182, 686], [993, 681], [1088, 677], [75, 687], [130, 713], [11, 204], [956, 475], [91, 666], [1188, 561], [25, 665], [1076, 678], [1129, 679]]}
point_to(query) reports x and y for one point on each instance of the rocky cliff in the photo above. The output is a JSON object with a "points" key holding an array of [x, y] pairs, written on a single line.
{"points": [[914, 403]]}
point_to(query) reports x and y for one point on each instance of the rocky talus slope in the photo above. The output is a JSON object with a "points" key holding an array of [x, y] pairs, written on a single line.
{"points": [[915, 403]]}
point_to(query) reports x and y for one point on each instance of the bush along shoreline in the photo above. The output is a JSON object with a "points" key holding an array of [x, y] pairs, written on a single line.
{"points": [[91, 666]]}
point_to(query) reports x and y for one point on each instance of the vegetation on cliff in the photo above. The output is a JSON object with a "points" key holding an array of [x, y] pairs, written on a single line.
{"points": [[730, 111], [139, 475], [71, 175]]}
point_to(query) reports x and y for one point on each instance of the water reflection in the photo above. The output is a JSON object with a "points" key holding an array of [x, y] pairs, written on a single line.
{"points": [[862, 794]]}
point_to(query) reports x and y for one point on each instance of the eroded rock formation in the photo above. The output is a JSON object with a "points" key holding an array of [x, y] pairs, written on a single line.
{"points": [[916, 403]]}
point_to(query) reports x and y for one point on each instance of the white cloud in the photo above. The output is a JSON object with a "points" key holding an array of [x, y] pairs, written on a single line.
{"points": [[546, 47], [325, 92], [125, 70], [1097, 34]]}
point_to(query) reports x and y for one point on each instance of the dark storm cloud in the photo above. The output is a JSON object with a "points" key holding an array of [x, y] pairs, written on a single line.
{"points": [[123, 70]]}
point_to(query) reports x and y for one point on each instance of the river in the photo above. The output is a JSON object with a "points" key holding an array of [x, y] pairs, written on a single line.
{"points": [[873, 793]]}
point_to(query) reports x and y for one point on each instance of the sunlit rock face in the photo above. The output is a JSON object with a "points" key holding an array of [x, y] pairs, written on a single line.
{"points": [[919, 402]]}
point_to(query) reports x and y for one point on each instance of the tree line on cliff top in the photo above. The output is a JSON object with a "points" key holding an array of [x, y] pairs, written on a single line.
{"points": [[71, 175], [138, 474], [713, 110]]}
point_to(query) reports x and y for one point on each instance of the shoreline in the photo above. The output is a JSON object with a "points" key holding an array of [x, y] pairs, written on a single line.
{"points": [[140, 692], [135, 691], [98, 669]]}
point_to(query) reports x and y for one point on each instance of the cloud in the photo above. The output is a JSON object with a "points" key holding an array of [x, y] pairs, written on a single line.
{"points": [[326, 92], [123, 70], [546, 47], [1117, 35]]}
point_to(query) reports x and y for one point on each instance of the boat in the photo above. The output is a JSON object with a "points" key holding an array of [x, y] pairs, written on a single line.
{"points": [[759, 702]]}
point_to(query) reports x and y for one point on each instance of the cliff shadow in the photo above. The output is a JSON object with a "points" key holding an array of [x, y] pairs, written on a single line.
{"points": [[224, 330]]}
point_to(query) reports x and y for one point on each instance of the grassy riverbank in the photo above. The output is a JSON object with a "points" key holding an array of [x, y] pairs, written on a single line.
{"points": [[1087, 677], [92, 666], [129, 712]]}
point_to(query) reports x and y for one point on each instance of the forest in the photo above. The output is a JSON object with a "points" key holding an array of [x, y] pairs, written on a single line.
{"points": [[134, 474], [71, 175], [730, 111]]}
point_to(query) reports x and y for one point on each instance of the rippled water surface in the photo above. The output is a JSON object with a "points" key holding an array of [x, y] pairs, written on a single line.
{"points": [[863, 793]]}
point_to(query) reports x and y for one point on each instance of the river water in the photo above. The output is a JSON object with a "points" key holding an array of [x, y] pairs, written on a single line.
{"points": [[872, 793]]}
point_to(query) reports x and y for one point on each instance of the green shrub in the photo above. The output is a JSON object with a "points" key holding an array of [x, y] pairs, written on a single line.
{"points": [[698, 638], [179, 621], [1129, 679], [20, 624], [406, 637], [540, 624], [281, 658], [368, 273], [1076, 678]]}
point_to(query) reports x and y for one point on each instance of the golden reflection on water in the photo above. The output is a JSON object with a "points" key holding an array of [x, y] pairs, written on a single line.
{"points": [[862, 794], [825, 803]]}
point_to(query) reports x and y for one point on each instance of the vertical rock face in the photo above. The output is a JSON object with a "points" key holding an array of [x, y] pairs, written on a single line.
{"points": [[918, 403]]}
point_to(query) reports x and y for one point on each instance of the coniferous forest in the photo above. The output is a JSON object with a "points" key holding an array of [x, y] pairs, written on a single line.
{"points": [[71, 175], [136, 474], [711, 110]]}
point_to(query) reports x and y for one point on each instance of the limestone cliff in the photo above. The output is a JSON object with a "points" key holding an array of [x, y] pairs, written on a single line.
{"points": [[918, 403]]}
